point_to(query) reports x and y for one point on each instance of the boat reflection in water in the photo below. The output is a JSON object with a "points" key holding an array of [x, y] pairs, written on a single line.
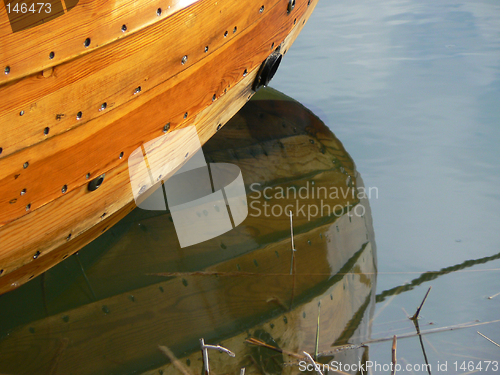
{"points": [[109, 309]]}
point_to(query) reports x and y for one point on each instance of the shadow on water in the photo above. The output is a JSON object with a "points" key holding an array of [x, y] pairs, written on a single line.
{"points": [[108, 309]]}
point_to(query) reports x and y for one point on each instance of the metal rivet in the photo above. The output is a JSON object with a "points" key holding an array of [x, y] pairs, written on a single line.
{"points": [[309, 3], [213, 97], [28, 206], [1, 149], [87, 176], [206, 48], [166, 128], [225, 34], [295, 21], [186, 155], [235, 29], [64, 189], [23, 191], [137, 90], [46, 130], [184, 59], [67, 239], [219, 126], [26, 165], [261, 9], [7, 70], [272, 45], [245, 72], [79, 115], [158, 12], [37, 254], [185, 115], [103, 106], [1, 271], [124, 28], [87, 42], [51, 55], [121, 154], [291, 5], [21, 113]]}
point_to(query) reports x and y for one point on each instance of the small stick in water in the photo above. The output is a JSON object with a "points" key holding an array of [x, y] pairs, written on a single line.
{"points": [[394, 361], [293, 244], [204, 352], [422, 304], [487, 338], [178, 364], [493, 296], [317, 334], [316, 366], [85, 276]]}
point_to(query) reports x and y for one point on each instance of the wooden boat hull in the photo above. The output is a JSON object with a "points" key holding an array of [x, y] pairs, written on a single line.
{"points": [[242, 284], [83, 114]]}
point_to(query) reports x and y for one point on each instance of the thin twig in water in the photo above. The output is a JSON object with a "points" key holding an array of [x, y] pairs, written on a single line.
{"points": [[398, 290], [293, 244], [394, 360], [221, 349], [493, 296], [258, 342], [487, 338], [316, 366], [85, 276], [435, 330], [292, 263], [178, 364], [417, 328], [422, 304], [204, 352], [317, 334]]}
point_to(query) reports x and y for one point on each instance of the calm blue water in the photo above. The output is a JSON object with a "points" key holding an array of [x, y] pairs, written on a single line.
{"points": [[412, 89]]}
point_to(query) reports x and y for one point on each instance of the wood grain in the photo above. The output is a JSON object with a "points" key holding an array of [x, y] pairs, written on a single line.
{"points": [[86, 149], [45, 228], [27, 52], [113, 74]]}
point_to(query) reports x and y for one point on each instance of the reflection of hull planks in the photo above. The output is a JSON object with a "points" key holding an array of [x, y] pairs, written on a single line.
{"points": [[92, 106], [121, 332], [270, 155], [347, 305]]}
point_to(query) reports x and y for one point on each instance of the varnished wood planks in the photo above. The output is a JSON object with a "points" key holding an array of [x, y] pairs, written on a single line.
{"points": [[71, 94], [28, 51], [74, 212], [87, 149]]}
